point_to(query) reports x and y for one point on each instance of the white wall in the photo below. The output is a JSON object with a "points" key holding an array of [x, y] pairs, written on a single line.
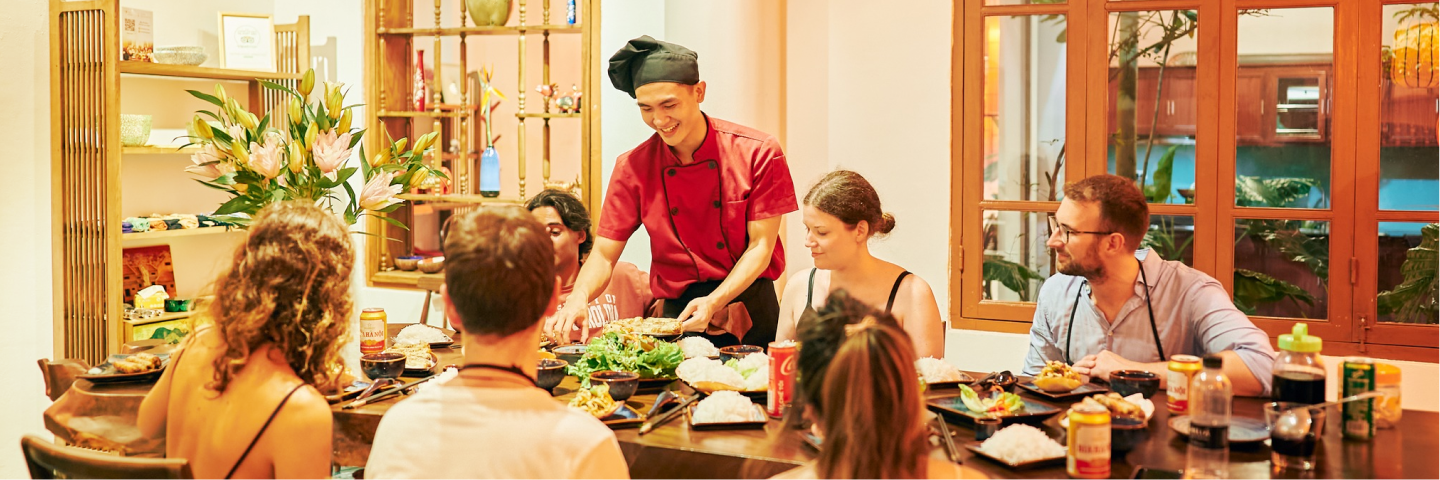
{"points": [[25, 289]]}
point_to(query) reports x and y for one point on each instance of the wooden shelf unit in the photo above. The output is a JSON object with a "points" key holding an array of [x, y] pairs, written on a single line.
{"points": [[192, 71], [187, 232], [393, 29], [160, 150], [86, 80]]}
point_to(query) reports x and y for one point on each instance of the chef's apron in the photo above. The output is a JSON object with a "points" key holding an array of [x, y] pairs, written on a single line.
{"points": [[693, 193]]}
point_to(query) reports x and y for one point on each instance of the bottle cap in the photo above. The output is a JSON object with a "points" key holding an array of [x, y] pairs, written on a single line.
{"points": [[1213, 361], [1299, 340]]}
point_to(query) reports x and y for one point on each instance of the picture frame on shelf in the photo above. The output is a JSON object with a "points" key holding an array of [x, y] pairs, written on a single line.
{"points": [[137, 36], [247, 41]]}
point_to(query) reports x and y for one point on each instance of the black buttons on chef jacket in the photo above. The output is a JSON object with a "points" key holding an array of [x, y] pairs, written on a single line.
{"points": [[670, 172], [719, 244], [714, 165], [674, 211], [716, 203]]}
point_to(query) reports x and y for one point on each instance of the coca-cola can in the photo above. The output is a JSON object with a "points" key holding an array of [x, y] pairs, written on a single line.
{"points": [[784, 355]]}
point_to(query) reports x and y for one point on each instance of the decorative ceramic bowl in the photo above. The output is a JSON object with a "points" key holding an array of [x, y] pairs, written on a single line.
{"points": [[407, 263], [432, 265], [134, 130], [549, 373], [622, 384], [1130, 382], [180, 55]]}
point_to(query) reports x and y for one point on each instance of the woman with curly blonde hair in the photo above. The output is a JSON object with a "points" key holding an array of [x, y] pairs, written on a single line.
{"points": [[239, 398]]}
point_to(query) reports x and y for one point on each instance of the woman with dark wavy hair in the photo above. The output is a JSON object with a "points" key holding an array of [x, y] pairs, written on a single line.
{"points": [[856, 383], [239, 399]]}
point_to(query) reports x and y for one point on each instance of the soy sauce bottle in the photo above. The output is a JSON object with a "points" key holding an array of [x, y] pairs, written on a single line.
{"points": [[1299, 373]]}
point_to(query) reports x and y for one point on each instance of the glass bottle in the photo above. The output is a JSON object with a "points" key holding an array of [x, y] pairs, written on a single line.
{"points": [[1210, 395], [1299, 372]]}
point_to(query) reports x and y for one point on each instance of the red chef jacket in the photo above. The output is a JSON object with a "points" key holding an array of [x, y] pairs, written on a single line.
{"points": [[695, 214]]}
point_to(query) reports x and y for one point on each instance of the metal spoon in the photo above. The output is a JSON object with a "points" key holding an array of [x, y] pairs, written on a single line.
{"points": [[1295, 422]]}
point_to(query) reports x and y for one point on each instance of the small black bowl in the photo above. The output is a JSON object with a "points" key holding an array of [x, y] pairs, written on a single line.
{"points": [[622, 384], [382, 365], [550, 372], [1130, 382], [569, 353], [738, 352]]}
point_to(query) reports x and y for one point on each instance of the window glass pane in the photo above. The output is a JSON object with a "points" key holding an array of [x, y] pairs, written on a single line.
{"points": [[1409, 171], [1152, 104], [1016, 258], [1282, 268], [1283, 95], [1172, 237], [1406, 273], [1024, 103]]}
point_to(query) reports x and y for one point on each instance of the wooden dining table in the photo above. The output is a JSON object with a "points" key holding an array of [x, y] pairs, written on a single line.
{"points": [[674, 450]]}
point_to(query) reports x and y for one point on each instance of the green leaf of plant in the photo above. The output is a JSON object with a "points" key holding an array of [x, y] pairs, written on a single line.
{"points": [[393, 221], [355, 138], [234, 205], [1159, 192], [208, 98], [275, 86]]}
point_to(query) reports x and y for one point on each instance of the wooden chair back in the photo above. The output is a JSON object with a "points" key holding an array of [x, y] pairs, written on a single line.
{"points": [[48, 460]]}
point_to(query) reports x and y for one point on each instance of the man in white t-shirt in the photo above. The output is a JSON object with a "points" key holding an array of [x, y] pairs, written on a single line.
{"points": [[491, 421]]}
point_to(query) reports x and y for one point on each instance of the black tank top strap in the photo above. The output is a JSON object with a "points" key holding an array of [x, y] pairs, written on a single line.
{"points": [[894, 290], [262, 430], [810, 291]]}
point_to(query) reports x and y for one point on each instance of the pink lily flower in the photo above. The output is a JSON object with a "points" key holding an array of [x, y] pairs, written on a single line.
{"points": [[217, 165], [267, 160], [379, 193], [331, 151]]}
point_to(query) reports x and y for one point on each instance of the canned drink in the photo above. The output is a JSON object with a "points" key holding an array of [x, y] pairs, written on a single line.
{"points": [[1357, 376], [1089, 442], [372, 330], [1177, 385], [783, 358]]}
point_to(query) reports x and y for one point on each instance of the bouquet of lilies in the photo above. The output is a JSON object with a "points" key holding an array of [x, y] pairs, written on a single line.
{"points": [[259, 162]]}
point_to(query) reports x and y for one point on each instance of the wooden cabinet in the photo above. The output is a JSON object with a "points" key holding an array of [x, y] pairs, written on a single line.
{"points": [[1408, 115], [1277, 104], [1177, 103], [1249, 107]]}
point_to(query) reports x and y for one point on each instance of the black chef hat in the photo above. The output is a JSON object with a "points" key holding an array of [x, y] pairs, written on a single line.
{"points": [[646, 60]]}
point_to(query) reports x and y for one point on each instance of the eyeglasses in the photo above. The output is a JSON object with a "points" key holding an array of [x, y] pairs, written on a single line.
{"points": [[1056, 226]]}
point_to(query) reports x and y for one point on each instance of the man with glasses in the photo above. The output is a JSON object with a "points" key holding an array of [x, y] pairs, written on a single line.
{"points": [[1113, 306]]}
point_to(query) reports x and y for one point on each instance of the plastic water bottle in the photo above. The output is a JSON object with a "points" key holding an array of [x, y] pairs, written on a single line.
{"points": [[1210, 396]]}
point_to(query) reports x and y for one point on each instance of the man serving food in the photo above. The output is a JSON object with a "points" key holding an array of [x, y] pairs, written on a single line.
{"points": [[710, 194]]}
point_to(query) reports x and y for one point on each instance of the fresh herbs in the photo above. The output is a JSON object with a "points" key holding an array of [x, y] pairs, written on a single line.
{"points": [[646, 356]]}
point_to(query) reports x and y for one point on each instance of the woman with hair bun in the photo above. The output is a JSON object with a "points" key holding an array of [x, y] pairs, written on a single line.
{"points": [[841, 214], [856, 385]]}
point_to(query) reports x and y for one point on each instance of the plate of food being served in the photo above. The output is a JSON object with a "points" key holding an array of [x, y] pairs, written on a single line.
{"points": [[938, 373], [1058, 381], [749, 376], [654, 360], [121, 368], [652, 326]]}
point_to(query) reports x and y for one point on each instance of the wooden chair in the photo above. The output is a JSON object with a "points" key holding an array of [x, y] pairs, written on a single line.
{"points": [[60, 375], [48, 460]]}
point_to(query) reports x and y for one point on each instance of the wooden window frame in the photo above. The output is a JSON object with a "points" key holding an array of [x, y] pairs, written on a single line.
{"points": [[1354, 137]]}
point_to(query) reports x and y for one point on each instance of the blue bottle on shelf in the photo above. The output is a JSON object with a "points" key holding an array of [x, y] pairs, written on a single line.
{"points": [[490, 172]]}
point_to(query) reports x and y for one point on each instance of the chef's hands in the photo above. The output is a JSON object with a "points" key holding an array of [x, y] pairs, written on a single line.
{"points": [[573, 314], [696, 316], [1100, 365]]}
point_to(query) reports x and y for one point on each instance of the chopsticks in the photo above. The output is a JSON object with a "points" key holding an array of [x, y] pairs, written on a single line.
{"points": [[386, 394], [651, 424], [950, 449]]}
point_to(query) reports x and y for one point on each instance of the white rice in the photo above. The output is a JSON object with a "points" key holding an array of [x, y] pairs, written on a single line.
{"points": [[760, 380], [758, 360], [725, 407], [693, 347], [701, 369], [420, 333], [935, 370], [1022, 443]]}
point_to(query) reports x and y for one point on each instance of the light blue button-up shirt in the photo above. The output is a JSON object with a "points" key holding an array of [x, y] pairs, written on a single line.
{"points": [[1193, 313]]}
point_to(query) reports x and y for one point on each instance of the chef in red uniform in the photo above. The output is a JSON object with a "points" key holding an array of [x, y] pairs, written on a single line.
{"points": [[710, 194]]}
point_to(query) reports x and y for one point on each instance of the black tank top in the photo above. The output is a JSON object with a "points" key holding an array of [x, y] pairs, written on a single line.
{"points": [[810, 292]]}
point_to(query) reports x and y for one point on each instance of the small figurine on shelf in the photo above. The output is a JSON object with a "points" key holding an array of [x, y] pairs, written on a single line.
{"points": [[570, 103], [547, 94]]}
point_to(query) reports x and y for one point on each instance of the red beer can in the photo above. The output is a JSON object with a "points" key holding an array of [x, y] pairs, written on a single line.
{"points": [[784, 356]]}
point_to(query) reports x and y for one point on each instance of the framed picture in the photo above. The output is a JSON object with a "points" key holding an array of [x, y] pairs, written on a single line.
{"points": [[247, 41]]}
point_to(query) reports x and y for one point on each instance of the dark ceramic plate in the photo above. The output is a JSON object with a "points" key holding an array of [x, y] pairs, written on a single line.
{"points": [[107, 371], [653, 384], [625, 417], [758, 396], [1032, 412], [1242, 430], [974, 447], [964, 379], [758, 418], [1084, 390]]}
